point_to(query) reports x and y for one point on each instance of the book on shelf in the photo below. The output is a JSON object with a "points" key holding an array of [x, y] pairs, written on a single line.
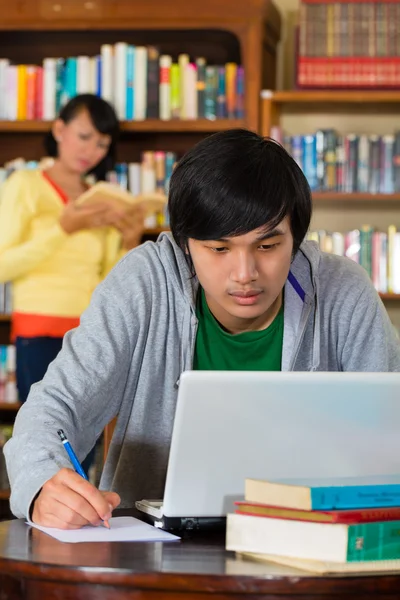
{"points": [[8, 386], [140, 81], [335, 162], [5, 299], [377, 251], [348, 44]]}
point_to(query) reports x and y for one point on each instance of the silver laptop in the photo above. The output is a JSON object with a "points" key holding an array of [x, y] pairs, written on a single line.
{"points": [[233, 425]]}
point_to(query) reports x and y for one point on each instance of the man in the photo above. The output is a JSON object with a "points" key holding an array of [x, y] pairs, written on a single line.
{"points": [[233, 287]]}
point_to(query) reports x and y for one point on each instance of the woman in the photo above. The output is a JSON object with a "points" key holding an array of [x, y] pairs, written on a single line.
{"points": [[54, 251]]}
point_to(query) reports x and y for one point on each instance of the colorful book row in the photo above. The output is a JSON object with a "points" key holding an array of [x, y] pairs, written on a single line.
{"points": [[377, 251], [139, 81], [346, 163]]}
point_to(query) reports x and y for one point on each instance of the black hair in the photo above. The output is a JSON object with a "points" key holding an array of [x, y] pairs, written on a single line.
{"points": [[104, 120], [233, 182]]}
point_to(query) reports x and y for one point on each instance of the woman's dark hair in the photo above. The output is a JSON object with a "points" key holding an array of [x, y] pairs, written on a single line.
{"points": [[233, 182], [104, 120]]}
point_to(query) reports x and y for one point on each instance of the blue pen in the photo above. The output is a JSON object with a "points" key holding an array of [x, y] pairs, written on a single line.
{"points": [[75, 462], [73, 458]]}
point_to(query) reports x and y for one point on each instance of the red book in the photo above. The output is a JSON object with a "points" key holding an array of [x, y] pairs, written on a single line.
{"points": [[39, 94], [354, 516]]}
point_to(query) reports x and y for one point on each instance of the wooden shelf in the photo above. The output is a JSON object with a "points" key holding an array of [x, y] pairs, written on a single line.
{"points": [[4, 494], [149, 125], [360, 197], [10, 406], [155, 230], [390, 296], [332, 97], [5, 318]]}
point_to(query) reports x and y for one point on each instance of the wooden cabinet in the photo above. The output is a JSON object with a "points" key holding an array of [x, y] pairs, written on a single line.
{"points": [[71, 10]]}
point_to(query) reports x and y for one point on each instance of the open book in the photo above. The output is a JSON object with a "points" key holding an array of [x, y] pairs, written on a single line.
{"points": [[104, 192]]}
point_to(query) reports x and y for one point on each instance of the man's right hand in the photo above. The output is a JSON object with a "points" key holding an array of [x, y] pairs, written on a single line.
{"points": [[67, 501]]}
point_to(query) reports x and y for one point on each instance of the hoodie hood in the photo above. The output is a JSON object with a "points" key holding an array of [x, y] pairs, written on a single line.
{"points": [[302, 303], [300, 298]]}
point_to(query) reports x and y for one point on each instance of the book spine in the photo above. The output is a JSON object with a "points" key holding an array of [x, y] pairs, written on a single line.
{"points": [[130, 82], [153, 96], [350, 497], [175, 91], [120, 50], [165, 87], [201, 86], [140, 83], [373, 541], [106, 53]]}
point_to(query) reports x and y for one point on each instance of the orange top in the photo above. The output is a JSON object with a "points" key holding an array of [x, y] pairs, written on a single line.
{"points": [[53, 274], [31, 325]]}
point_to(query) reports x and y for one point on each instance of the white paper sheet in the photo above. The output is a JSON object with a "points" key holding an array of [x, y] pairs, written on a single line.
{"points": [[122, 529]]}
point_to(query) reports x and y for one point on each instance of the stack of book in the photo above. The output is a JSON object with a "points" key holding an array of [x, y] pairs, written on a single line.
{"points": [[348, 525], [349, 44]]}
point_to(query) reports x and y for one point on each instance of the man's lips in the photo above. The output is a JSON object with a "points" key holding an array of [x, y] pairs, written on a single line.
{"points": [[246, 298], [247, 294]]}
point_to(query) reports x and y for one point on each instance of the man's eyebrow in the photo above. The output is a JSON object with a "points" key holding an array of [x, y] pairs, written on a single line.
{"points": [[263, 236], [266, 235]]}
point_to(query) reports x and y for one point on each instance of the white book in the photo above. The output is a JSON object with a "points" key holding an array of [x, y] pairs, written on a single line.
{"points": [[120, 52], [183, 61], [140, 99], [83, 75], [338, 243], [165, 87], [190, 92], [93, 64], [396, 263], [106, 52], [12, 93], [383, 262], [4, 64], [49, 88], [134, 178]]}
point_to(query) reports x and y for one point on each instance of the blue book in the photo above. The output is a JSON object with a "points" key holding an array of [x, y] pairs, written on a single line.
{"points": [[310, 160], [326, 494], [130, 82], [98, 75]]}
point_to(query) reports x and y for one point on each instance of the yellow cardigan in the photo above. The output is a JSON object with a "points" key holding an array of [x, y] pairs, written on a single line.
{"points": [[53, 273]]}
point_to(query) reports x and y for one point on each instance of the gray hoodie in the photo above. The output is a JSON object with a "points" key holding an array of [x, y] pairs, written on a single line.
{"points": [[136, 338]]}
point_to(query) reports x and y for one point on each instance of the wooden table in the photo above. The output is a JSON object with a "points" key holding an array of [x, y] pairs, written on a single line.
{"points": [[35, 566]]}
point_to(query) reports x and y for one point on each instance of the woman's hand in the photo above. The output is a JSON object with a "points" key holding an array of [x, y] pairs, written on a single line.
{"points": [[75, 218], [131, 226]]}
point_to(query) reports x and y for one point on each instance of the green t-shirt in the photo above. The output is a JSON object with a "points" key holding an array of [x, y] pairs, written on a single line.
{"points": [[217, 350]]}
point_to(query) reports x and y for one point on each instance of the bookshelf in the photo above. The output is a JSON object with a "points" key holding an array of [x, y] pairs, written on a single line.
{"points": [[300, 112], [220, 30]]}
